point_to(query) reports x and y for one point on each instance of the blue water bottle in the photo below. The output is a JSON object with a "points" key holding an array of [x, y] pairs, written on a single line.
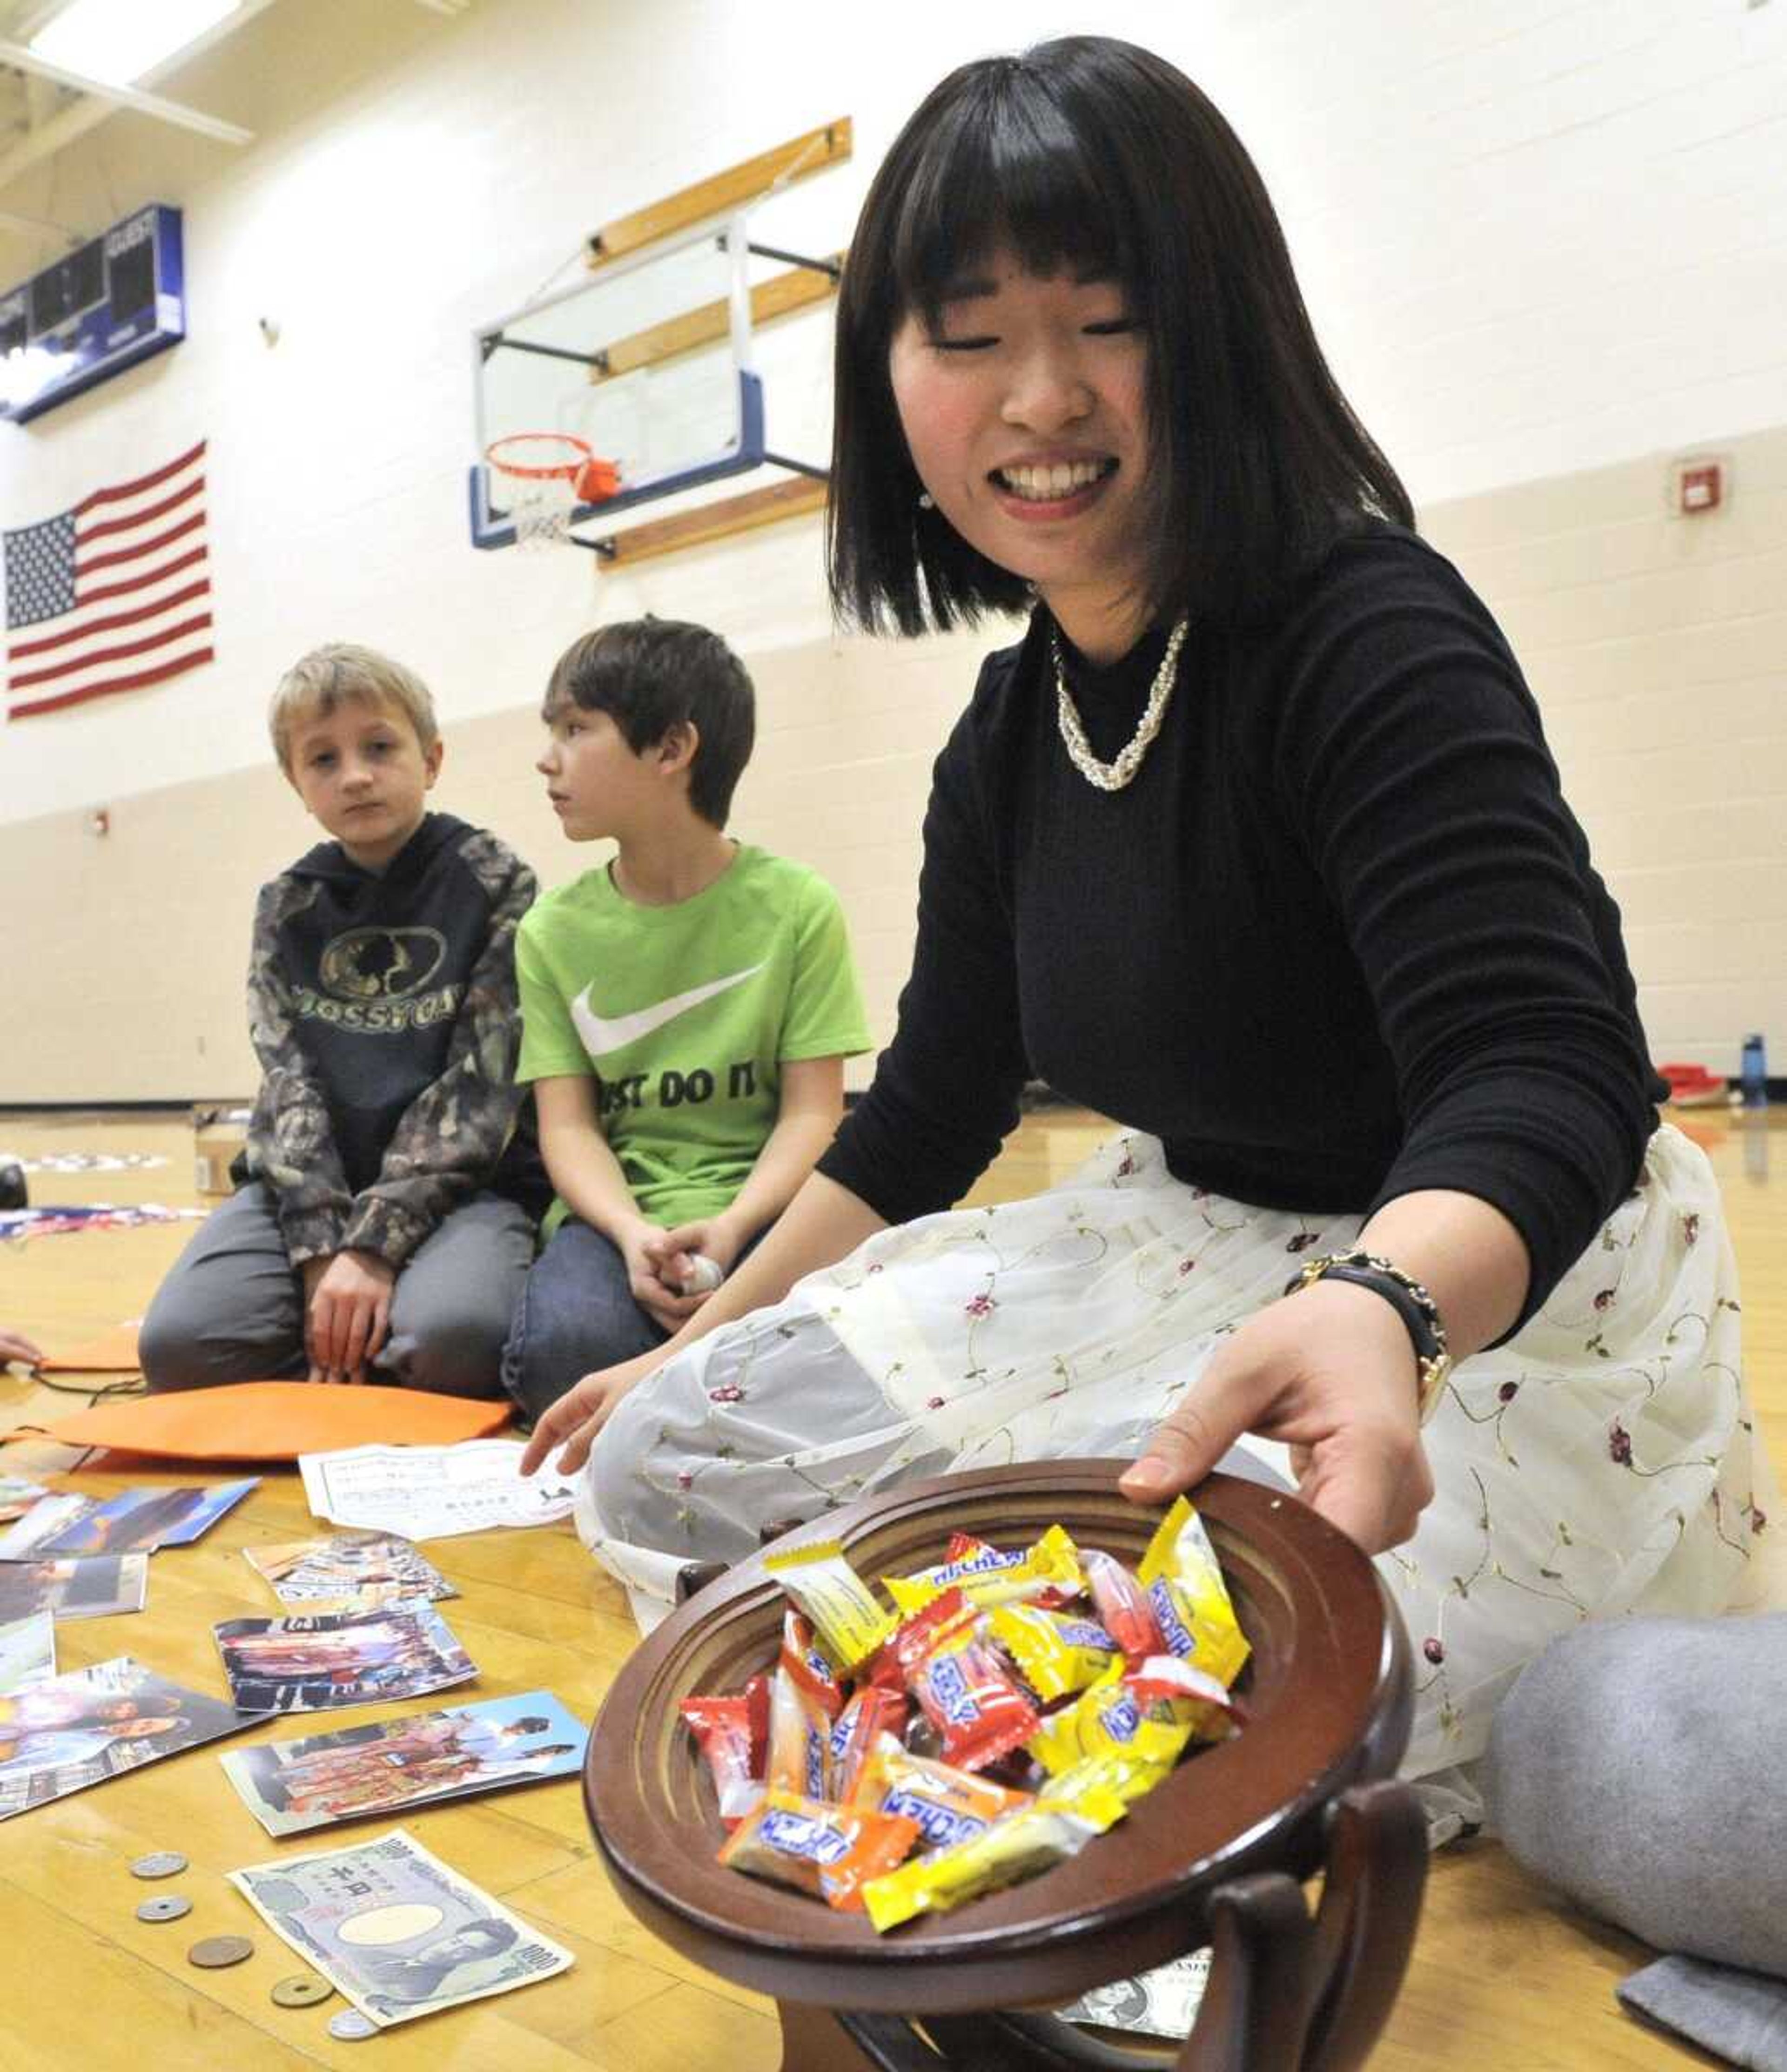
{"points": [[1755, 1077]]}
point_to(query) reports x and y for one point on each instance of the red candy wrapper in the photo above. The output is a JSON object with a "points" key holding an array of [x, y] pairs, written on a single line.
{"points": [[871, 1713], [968, 1695], [757, 1698], [722, 1727], [809, 1665], [913, 1638], [1123, 1606]]}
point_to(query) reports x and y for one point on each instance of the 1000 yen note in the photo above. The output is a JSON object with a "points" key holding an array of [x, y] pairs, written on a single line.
{"points": [[396, 1931]]}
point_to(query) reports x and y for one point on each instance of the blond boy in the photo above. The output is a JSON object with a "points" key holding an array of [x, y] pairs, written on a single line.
{"points": [[384, 1217]]}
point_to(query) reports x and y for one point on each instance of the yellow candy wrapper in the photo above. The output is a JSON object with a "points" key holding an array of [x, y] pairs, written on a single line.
{"points": [[1055, 1653], [849, 1621], [986, 1577], [1145, 1715], [1075, 1808], [1188, 1598]]}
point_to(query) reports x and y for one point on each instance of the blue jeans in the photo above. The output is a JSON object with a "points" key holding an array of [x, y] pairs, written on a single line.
{"points": [[576, 1314], [232, 1308]]}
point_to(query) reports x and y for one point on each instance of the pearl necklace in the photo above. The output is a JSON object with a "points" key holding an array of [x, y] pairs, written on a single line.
{"points": [[1113, 776]]}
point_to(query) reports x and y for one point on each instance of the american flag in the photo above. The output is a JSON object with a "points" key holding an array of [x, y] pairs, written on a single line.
{"points": [[112, 595]]}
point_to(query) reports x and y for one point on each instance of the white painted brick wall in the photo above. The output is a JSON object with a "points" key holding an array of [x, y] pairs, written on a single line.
{"points": [[1545, 242]]}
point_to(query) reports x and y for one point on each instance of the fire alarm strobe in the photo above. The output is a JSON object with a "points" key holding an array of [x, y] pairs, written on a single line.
{"points": [[1701, 487]]}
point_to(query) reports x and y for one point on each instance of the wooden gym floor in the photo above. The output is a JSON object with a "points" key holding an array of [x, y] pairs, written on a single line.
{"points": [[1504, 1979]]}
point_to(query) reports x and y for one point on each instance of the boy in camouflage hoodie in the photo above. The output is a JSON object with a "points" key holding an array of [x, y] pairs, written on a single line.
{"points": [[384, 1220]]}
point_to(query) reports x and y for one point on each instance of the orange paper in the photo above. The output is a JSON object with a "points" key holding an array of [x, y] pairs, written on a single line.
{"points": [[112, 1352], [277, 1421]]}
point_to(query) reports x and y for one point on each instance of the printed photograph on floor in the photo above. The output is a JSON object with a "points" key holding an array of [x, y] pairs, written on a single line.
{"points": [[85, 1728], [309, 1664], [389, 1765]]}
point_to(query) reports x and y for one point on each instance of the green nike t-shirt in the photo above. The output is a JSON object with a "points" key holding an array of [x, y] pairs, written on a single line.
{"points": [[685, 1015]]}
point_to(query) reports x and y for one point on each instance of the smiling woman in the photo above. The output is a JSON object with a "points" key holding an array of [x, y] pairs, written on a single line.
{"points": [[1254, 843]]}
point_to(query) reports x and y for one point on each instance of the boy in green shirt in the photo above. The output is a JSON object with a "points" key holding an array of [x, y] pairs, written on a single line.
{"points": [[686, 1008]]}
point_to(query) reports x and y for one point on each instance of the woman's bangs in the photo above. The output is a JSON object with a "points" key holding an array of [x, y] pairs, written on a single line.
{"points": [[1013, 177]]}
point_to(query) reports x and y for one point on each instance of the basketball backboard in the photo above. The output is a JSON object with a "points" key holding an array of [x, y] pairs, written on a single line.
{"points": [[647, 360]]}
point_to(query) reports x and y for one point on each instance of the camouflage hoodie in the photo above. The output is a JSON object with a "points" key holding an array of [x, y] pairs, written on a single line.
{"points": [[383, 1010]]}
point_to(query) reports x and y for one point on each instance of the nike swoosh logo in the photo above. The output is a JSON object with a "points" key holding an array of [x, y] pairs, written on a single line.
{"points": [[600, 1035]]}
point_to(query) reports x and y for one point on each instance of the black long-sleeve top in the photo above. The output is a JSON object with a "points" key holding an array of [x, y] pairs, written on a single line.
{"points": [[1339, 940]]}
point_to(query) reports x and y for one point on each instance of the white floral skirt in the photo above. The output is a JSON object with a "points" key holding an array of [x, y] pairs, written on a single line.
{"points": [[1600, 1462]]}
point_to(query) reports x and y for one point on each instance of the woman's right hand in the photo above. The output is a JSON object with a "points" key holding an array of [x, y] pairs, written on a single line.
{"points": [[576, 1419]]}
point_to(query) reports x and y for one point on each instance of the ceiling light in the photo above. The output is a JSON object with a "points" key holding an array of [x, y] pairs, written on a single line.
{"points": [[118, 42]]}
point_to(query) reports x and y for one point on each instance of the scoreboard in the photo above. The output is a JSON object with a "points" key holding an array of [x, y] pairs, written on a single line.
{"points": [[114, 301]]}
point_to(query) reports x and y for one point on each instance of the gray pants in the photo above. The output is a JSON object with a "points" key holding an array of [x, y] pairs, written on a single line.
{"points": [[232, 1308]]}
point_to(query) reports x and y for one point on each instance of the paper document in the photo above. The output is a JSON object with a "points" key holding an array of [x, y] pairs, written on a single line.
{"points": [[432, 1492]]}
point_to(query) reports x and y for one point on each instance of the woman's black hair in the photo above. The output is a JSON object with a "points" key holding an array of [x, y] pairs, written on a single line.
{"points": [[1095, 157]]}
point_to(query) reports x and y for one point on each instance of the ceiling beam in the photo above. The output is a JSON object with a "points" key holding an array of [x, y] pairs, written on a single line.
{"points": [[35, 226], [62, 129], [27, 60]]}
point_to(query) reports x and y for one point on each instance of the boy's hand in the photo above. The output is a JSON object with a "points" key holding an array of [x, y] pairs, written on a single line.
{"points": [[672, 1253], [15, 1345], [576, 1420], [347, 1312], [640, 1243]]}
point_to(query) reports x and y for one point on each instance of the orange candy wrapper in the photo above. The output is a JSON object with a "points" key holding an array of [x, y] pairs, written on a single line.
{"points": [[1057, 1825], [799, 1737], [949, 1805], [832, 1850]]}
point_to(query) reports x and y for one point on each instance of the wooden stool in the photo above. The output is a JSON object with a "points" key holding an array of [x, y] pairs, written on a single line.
{"points": [[1215, 1855]]}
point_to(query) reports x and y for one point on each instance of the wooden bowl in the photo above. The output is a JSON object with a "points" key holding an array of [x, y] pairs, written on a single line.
{"points": [[1327, 1690]]}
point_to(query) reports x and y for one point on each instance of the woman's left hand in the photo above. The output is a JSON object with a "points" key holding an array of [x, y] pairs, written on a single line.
{"points": [[1330, 1372]]}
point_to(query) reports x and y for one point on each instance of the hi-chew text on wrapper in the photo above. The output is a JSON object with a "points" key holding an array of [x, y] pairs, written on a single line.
{"points": [[867, 1715], [1059, 1824], [808, 1663], [832, 1850], [1146, 1713], [966, 1693], [1048, 1572], [1189, 1599], [849, 1621], [1055, 1654], [800, 1735], [949, 1805]]}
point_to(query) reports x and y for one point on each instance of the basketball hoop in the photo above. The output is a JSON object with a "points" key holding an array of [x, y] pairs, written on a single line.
{"points": [[548, 474]]}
